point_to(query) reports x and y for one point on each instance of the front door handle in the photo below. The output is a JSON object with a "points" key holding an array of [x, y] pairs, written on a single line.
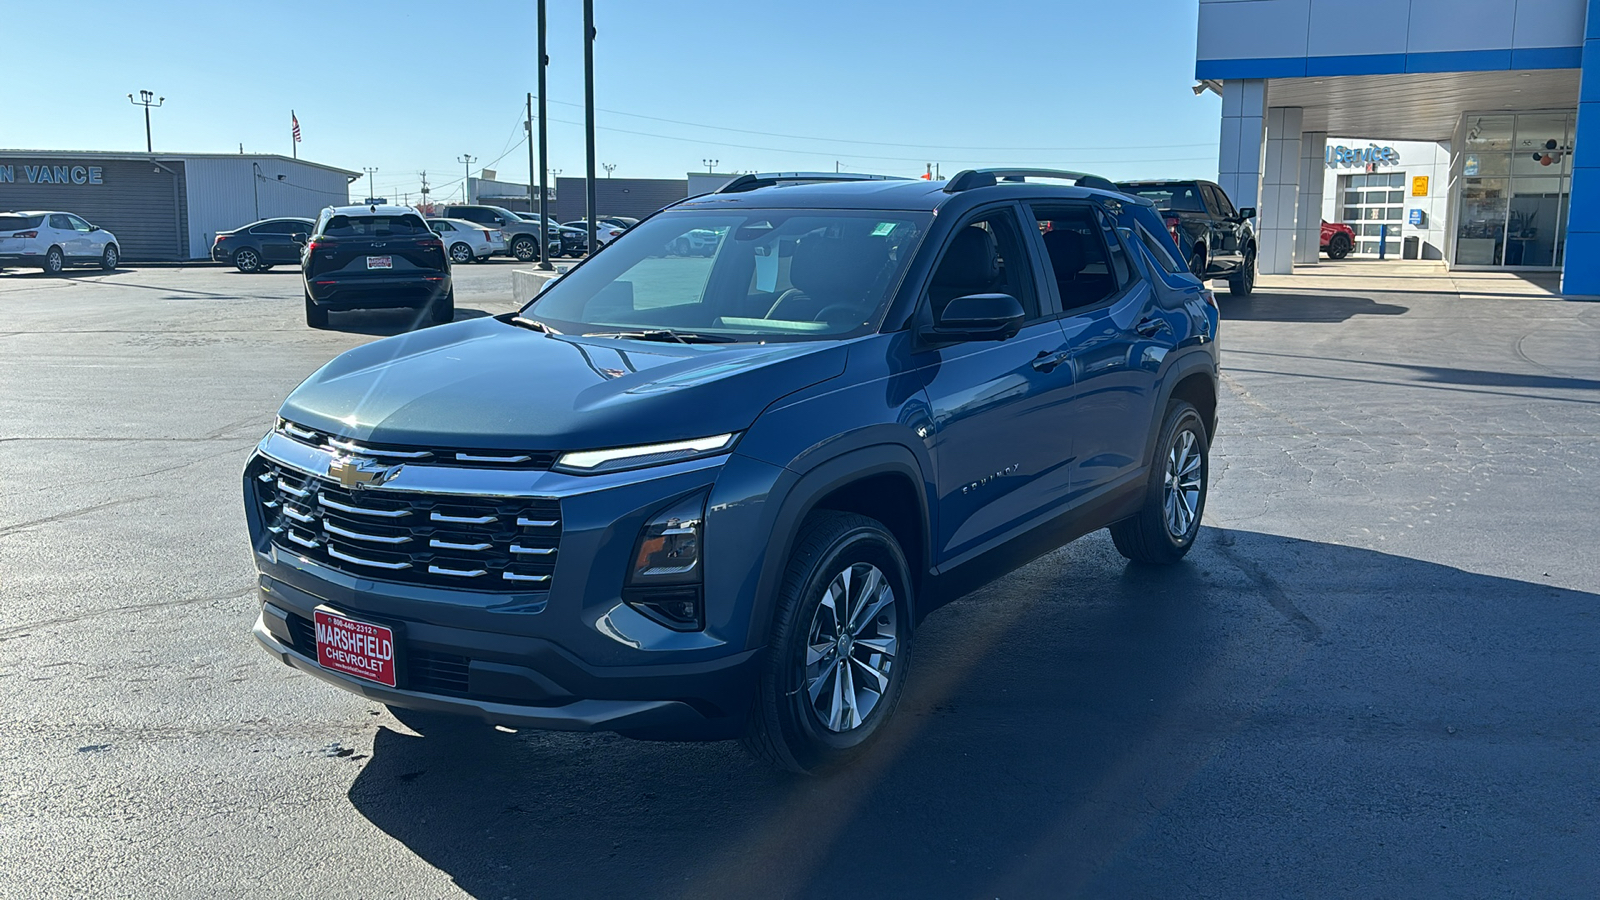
{"points": [[1047, 361], [1151, 326]]}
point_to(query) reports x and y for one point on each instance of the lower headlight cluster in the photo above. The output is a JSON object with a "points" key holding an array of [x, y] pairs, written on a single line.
{"points": [[665, 577]]}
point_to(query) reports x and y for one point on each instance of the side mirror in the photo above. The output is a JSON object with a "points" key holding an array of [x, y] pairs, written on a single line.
{"points": [[298, 238], [94, 227], [977, 317], [1249, 212]]}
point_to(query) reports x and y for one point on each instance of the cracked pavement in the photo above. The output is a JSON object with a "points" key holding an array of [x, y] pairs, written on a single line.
{"points": [[1374, 675]]}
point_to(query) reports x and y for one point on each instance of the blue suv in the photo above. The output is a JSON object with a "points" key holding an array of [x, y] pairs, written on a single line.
{"points": [[712, 496]]}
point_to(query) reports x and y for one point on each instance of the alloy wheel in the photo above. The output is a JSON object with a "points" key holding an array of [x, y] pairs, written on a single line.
{"points": [[850, 647], [1185, 471], [109, 259], [460, 253], [247, 260]]}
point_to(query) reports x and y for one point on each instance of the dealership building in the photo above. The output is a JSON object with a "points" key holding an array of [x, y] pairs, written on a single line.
{"points": [[1472, 119], [168, 206]]}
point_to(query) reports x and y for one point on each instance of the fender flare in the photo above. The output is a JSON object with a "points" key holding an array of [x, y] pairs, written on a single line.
{"points": [[802, 497], [1191, 363]]}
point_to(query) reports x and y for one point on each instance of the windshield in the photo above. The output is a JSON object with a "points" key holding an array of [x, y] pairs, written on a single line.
{"points": [[1181, 196], [746, 275]]}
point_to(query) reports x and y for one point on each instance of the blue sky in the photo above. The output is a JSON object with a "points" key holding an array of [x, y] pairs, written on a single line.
{"points": [[407, 86]]}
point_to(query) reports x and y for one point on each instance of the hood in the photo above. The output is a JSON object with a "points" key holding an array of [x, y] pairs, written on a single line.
{"points": [[490, 385]]}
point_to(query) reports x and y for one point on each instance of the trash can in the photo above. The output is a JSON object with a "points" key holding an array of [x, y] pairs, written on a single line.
{"points": [[1413, 248]]}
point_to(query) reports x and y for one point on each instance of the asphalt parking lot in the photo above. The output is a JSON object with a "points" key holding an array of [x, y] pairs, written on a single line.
{"points": [[1375, 676]]}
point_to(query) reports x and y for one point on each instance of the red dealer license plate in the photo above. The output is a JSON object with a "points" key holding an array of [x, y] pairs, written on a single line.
{"points": [[355, 648]]}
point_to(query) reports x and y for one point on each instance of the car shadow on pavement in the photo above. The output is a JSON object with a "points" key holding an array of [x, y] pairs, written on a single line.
{"points": [[1089, 727], [1268, 307], [389, 322]]}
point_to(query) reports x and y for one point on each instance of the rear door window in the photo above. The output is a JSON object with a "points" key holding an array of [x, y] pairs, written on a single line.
{"points": [[59, 222], [1086, 271]]}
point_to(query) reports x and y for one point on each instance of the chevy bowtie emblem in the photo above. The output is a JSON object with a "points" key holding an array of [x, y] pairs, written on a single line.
{"points": [[353, 472]]}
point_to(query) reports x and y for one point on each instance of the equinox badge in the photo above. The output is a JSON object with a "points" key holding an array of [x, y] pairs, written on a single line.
{"points": [[359, 473]]}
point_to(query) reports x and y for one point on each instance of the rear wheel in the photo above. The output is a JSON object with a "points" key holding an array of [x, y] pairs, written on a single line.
{"points": [[1165, 527], [109, 258], [316, 316], [443, 309], [460, 253], [54, 261], [1198, 262], [1241, 284], [525, 248], [840, 646], [1339, 246], [247, 260]]}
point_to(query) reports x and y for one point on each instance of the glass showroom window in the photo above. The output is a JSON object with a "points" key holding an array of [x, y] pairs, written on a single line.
{"points": [[1516, 178]]}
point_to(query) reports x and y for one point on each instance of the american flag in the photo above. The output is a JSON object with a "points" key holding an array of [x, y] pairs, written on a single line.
{"points": [[296, 120]]}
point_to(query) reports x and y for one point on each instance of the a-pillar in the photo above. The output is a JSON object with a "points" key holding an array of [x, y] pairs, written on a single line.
{"points": [[1280, 191], [1580, 273], [1313, 174], [1244, 123]]}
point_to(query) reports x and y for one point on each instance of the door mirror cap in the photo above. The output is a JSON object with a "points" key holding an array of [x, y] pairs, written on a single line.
{"points": [[94, 227], [1248, 212], [977, 317], [298, 238]]}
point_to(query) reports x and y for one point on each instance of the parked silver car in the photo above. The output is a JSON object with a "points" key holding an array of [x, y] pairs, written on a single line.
{"points": [[54, 240]]}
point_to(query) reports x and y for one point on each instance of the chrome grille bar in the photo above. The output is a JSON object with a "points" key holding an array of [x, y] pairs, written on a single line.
{"points": [[350, 447], [358, 536], [334, 552], [291, 490], [460, 573], [533, 551], [298, 516], [452, 545], [509, 460], [294, 536], [462, 520], [360, 511], [513, 576], [536, 523]]}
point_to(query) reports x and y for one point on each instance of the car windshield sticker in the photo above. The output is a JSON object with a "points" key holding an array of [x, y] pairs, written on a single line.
{"points": [[883, 229]]}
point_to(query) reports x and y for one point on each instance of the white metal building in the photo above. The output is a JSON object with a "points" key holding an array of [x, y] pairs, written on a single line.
{"points": [[169, 206]]}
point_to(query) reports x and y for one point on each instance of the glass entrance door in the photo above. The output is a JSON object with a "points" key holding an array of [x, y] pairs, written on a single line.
{"points": [[1516, 175]]}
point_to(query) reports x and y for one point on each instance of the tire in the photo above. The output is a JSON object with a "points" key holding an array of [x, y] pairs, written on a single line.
{"points": [[1241, 284], [525, 249], [483, 259], [1161, 533], [247, 260], [316, 316], [1339, 247], [109, 258], [1197, 263], [442, 310], [460, 253], [806, 716], [54, 261]]}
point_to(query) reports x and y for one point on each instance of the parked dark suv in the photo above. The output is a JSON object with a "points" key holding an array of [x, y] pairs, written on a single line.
{"points": [[1217, 240], [712, 497], [375, 257]]}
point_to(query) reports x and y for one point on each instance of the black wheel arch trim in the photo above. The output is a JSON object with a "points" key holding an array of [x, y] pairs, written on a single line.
{"points": [[1194, 362]]}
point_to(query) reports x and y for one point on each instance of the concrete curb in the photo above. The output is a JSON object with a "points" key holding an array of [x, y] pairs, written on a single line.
{"points": [[525, 283]]}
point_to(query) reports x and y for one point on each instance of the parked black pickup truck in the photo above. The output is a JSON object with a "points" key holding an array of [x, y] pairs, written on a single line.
{"points": [[1215, 238]]}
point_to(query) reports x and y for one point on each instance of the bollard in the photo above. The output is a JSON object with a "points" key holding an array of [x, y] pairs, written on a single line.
{"points": [[1383, 240]]}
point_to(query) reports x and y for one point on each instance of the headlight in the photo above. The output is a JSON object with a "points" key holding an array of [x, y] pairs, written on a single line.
{"points": [[589, 462], [664, 577]]}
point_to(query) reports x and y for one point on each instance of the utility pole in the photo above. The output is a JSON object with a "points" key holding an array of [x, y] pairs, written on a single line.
{"points": [[145, 101], [710, 164], [424, 174], [544, 160], [466, 159], [372, 193], [532, 186], [609, 167], [588, 118], [836, 165]]}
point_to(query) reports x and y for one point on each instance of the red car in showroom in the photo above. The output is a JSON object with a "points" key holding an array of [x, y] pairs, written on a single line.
{"points": [[1337, 240]]}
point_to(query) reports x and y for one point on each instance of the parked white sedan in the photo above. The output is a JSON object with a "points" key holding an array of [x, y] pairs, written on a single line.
{"points": [[54, 240], [467, 241]]}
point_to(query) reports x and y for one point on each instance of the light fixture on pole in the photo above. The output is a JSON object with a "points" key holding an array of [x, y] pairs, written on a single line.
{"points": [[609, 167], [145, 100], [710, 164], [372, 190]]}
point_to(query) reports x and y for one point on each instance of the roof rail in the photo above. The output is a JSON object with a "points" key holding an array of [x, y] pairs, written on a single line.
{"points": [[768, 179], [977, 178]]}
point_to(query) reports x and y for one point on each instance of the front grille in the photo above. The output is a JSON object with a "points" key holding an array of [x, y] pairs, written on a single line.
{"points": [[519, 460], [497, 544], [423, 670]]}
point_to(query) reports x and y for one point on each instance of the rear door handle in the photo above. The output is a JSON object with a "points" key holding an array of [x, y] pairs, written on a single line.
{"points": [[1151, 326], [1047, 361]]}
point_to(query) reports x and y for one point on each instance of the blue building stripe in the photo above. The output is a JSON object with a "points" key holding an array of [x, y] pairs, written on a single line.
{"points": [[1580, 274], [1391, 63]]}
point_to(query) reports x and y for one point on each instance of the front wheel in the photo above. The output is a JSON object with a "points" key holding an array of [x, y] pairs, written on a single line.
{"points": [[1339, 247], [839, 649], [247, 260], [109, 258], [1241, 284], [524, 249], [1165, 527]]}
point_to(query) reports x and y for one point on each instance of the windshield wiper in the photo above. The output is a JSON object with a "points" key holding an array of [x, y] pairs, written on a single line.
{"points": [[533, 324], [665, 335]]}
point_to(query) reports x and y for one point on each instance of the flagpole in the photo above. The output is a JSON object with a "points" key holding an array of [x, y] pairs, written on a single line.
{"points": [[294, 144]]}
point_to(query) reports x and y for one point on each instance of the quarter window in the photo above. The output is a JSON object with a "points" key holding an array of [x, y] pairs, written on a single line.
{"points": [[1161, 252]]}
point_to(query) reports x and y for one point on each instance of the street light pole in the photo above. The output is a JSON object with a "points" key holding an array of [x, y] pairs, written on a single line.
{"points": [[255, 186], [466, 159], [372, 191], [710, 164], [609, 167], [544, 161], [146, 102], [588, 118]]}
